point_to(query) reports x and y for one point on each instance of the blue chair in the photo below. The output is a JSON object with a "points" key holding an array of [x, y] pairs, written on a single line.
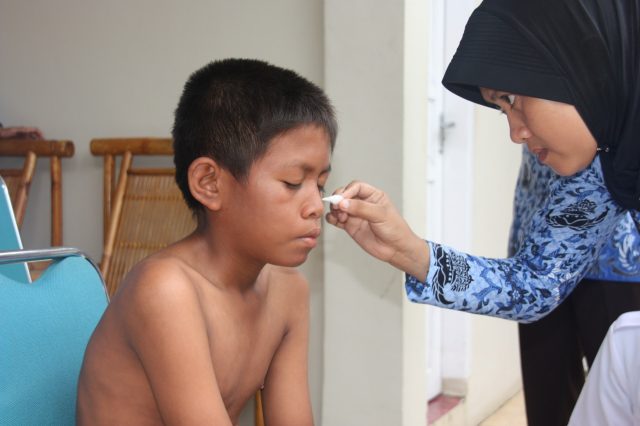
{"points": [[44, 329], [10, 237]]}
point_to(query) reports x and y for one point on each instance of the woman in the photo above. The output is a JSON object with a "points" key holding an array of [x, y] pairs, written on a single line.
{"points": [[565, 73]]}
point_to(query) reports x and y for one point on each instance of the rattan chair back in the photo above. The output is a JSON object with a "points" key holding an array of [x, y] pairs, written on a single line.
{"points": [[143, 208]]}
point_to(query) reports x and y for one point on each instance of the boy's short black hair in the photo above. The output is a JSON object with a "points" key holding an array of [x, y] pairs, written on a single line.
{"points": [[231, 109]]}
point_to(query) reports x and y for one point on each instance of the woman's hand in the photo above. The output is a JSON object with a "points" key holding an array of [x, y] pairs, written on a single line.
{"points": [[370, 218]]}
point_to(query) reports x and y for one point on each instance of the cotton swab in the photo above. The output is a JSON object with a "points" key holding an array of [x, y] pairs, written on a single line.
{"points": [[333, 199]]}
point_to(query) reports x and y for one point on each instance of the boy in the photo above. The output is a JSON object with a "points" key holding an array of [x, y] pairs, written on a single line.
{"points": [[197, 328]]}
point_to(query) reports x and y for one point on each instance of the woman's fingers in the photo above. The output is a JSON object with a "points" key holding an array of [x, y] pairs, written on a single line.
{"points": [[359, 190]]}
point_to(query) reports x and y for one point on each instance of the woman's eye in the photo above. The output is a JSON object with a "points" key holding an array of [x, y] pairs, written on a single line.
{"points": [[506, 99], [321, 190], [509, 99]]}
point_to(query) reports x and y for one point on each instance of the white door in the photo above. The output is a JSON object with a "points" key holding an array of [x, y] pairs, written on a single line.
{"points": [[449, 175]]}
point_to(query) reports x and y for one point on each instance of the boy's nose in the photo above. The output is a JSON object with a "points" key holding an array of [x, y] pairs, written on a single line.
{"points": [[315, 206]]}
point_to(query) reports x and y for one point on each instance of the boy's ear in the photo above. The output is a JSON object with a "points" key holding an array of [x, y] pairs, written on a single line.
{"points": [[205, 180]]}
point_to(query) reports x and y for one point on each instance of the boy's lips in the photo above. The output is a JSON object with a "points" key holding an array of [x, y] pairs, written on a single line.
{"points": [[311, 237], [315, 233]]}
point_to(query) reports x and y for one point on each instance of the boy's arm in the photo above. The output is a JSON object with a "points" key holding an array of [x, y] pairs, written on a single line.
{"points": [[286, 388], [166, 329]]}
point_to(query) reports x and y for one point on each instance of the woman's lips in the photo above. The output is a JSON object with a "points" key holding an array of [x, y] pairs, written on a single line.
{"points": [[541, 153]]}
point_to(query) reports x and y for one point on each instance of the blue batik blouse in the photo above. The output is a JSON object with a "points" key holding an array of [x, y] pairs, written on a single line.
{"points": [[564, 229]]}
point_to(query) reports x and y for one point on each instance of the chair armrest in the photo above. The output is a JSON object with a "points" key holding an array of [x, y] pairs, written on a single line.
{"points": [[15, 256], [12, 256]]}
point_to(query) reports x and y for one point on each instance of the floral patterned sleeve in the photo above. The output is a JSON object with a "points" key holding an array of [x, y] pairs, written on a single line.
{"points": [[562, 238]]}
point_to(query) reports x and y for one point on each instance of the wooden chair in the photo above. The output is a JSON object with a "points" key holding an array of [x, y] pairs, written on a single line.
{"points": [[143, 208], [19, 179]]}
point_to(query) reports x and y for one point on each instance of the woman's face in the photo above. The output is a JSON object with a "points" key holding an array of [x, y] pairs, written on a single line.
{"points": [[553, 131]]}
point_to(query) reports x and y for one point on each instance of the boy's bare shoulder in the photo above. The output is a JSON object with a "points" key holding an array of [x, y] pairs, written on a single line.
{"points": [[157, 279], [158, 268]]}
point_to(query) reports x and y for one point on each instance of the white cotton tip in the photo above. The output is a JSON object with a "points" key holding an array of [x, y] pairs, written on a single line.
{"points": [[333, 199]]}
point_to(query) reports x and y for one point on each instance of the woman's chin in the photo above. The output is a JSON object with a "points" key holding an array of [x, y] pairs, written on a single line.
{"points": [[567, 170]]}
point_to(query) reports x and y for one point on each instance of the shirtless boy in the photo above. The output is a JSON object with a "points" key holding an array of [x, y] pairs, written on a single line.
{"points": [[196, 329]]}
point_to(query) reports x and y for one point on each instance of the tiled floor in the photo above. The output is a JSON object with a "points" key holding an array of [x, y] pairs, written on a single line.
{"points": [[510, 414]]}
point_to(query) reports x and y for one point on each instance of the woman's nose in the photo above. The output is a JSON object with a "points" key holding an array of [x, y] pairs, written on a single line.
{"points": [[518, 131]]}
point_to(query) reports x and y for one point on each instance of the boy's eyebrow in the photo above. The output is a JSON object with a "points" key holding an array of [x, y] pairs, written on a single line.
{"points": [[306, 167]]}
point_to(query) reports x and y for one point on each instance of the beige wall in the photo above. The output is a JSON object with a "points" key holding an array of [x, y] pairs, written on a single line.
{"points": [[363, 302], [84, 69]]}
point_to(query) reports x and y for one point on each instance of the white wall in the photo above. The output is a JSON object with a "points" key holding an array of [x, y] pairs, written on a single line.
{"points": [[82, 69]]}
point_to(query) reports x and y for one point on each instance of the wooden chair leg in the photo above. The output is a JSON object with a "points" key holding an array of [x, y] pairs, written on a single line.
{"points": [[37, 268], [23, 189], [56, 202], [108, 186], [259, 415], [113, 223]]}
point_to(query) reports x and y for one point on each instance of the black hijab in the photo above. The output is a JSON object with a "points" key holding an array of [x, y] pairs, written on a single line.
{"points": [[582, 52]]}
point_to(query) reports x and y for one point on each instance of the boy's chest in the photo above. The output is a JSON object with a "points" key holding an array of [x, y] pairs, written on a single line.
{"points": [[241, 350]]}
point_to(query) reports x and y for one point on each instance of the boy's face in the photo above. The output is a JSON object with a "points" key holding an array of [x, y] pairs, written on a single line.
{"points": [[277, 212]]}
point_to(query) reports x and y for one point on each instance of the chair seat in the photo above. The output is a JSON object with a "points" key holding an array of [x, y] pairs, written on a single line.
{"points": [[44, 329]]}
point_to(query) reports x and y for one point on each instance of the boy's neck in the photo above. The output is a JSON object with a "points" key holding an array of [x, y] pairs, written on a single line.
{"points": [[212, 258]]}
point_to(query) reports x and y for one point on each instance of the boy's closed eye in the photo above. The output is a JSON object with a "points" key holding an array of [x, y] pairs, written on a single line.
{"points": [[296, 186], [292, 185]]}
